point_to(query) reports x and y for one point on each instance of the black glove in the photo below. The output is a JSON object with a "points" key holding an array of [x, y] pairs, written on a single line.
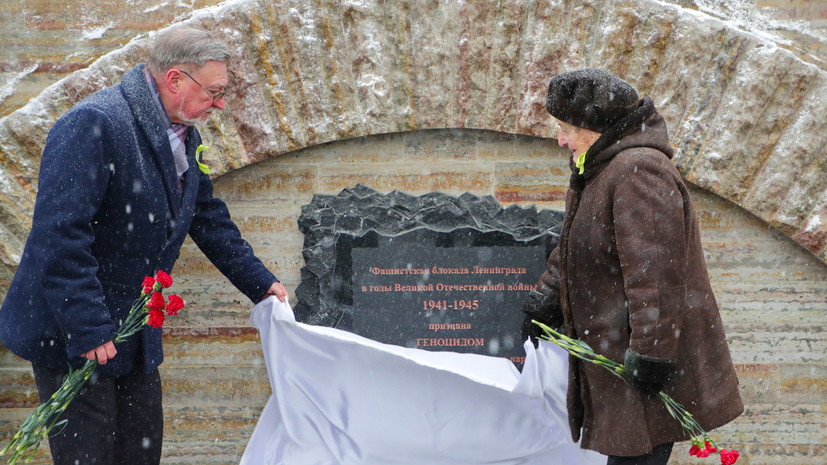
{"points": [[648, 375], [530, 330], [542, 308], [650, 390]]}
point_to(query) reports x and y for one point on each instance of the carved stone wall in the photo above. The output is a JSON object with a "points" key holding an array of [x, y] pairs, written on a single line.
{"points": [[44, 41]]}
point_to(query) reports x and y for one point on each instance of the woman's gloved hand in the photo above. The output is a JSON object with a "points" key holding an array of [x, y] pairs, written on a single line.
{"points": [[542, 308], [649, 375]]}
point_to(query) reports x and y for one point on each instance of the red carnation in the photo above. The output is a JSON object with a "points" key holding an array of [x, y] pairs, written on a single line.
{"points": [[175, 303], [148, 283], [156, 301], [147, 310], [728, 457], [163, 278], [156, 318], [710, 448], [694, 450]]}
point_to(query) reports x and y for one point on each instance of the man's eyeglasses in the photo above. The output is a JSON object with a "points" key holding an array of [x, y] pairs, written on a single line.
{"points": [[215, 95]]}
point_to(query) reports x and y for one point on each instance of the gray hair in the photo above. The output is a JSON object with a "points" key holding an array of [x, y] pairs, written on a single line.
{"points": [[179, 45]]}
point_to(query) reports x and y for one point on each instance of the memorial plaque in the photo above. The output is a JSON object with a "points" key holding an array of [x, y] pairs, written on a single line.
{"points": [[433, 272], [423, 290]]}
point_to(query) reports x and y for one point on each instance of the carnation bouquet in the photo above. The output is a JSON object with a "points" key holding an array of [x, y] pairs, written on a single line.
{"points": [[702, 445], [150, 308]]}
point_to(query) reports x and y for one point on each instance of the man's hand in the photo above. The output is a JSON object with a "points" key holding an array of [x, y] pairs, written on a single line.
{"points": [[102, 354], [277, 289]]}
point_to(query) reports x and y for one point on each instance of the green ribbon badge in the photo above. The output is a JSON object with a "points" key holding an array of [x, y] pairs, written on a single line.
{"points": [[202, 166], [581, 161]]}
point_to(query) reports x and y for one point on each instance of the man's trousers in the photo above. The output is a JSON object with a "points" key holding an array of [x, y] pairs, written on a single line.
{"points": [[112, 421]]}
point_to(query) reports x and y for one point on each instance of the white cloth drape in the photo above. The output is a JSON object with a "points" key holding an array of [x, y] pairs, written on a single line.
{"points": [[341, 399]]}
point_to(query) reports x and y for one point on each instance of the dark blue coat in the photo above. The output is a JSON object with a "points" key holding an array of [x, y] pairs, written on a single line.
{"points": [[109, 211]]}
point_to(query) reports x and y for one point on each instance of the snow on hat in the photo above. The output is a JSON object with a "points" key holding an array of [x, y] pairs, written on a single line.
{"points": [[590, 98]]}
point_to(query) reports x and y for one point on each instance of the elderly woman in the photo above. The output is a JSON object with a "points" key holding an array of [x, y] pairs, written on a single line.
{"points": [[628, 277]]}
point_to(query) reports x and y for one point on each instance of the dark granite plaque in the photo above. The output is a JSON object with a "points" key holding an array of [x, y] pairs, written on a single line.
{"points": [[423, 290], [434, 272]]}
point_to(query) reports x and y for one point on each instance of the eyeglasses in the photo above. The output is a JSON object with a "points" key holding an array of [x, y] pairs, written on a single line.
{"points": [[215, 95]]}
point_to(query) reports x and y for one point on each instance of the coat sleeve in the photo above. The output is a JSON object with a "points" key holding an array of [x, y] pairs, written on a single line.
{"points": [[543, 304], [73, 179], [649, 211], [215, 233]]}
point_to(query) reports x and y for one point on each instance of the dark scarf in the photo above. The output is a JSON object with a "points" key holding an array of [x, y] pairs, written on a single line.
{"points": [[595, 160]]}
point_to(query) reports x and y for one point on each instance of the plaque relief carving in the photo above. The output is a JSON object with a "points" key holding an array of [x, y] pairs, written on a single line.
{"points": [[435, 272]]}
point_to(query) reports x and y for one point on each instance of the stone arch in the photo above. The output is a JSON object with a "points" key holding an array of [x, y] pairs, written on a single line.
{"points": [[746, 117]]}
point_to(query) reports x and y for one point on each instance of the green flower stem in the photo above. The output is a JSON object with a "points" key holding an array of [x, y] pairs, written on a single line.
{"points": [[135, 320], [580, 349], [44, 419], [583, 351]]}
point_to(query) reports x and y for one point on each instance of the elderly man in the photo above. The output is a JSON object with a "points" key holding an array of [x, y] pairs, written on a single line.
{"points": [[119, 189], [628, 277]]}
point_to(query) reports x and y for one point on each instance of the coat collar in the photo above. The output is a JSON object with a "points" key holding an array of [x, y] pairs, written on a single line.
{"points": [[139, 97], [644, 127]]}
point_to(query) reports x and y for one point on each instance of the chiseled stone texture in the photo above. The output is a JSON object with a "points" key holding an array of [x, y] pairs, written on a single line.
{"points": [[44, 41], [770, 290]]}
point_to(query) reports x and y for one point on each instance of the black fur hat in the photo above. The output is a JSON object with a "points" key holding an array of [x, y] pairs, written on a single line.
{"points": [[590, 98]]}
